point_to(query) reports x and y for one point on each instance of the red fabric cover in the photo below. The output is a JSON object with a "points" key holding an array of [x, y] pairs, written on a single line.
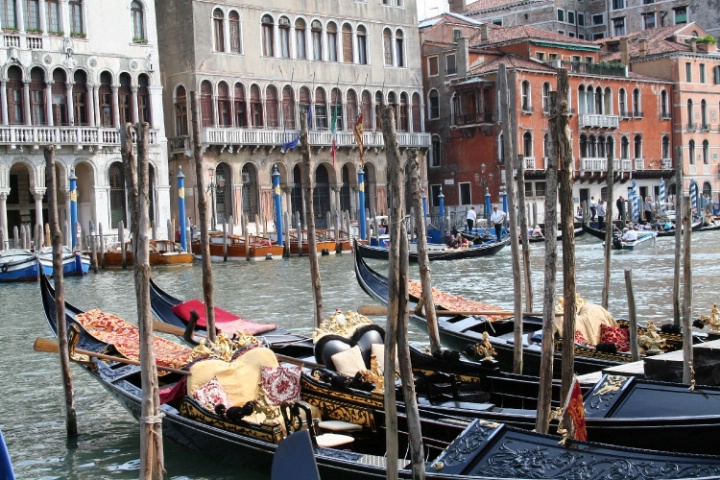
{"points": [[282, 384], [225, 321], [617, 335], [173, 392], [580, 338]]}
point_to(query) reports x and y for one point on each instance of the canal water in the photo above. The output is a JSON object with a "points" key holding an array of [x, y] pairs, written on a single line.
{"points": [[276, 291]]}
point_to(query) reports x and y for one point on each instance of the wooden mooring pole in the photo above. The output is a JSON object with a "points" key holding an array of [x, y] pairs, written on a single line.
{"points": [[522, 213], [632, 316], [688, 365], [57, 243], [679, 189], [121, 239], [608, 232]]}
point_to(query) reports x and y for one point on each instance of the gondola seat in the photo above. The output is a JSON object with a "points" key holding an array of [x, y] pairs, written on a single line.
{"points": [[355, 359]]}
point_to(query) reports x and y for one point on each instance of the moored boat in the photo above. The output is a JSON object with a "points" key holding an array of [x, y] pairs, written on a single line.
{"points": [[643, 238], [73, 262], [439, 251], [323, 244], [17, 265], [260, 248], [167, 252]]}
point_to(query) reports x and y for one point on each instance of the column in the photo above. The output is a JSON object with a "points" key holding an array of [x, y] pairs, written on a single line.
{"points": [[65, 18], [3, 85], [91, 104], [70, 108], [216, 114], [38, 196], [26, 100], [3, 212], [96, 101], [68, 230], [43, 19], [48, 103], [133, 104], [116, 105], [20, 15], [356, 52]]}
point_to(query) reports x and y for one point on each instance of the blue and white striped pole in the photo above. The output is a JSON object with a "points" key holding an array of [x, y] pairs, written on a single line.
{"points": [[693, 194], [662, 195], [73, 208], [636, 202], [181, 209], [362, 226]]}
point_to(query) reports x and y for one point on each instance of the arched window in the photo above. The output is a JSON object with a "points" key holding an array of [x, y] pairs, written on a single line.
{"points": [[143, 99], [622, 103], [321, 121], [125, 99], [416, 120], [362, 45], [637, 105], [240, 106], [317, 30], [206, 104], [336, 111], [583, 146], [59, 97], [638, 147], [399, 49], [435, 151], [271, 106], [664, 110], [546, 89], [268, 33], [625, 148], [80, 104], [704, 115], [665, 147], [223, 105], [32, 15], [387, 47], [403, 125], [288, 105], [526, 102], [37, 96], [250, 190], [223, 191], [610, 147], [378, 106], [367, 110], [347, 42], [592, 146], [305, 103], [433, 105], [219, 30], [235, 37], [16, 104], [599, 104], [332, 42], [581, 99], [691, 152], [607, 104], [117, 194], [351, 106], [181, 118], [8, 15], [300, 43], [138, 21], [706, 152], [105, 96], [691, 118], [528, 145], [393, 104], [590, 100], [77, 24], [707, 195], [256, 110], [284, 26]]}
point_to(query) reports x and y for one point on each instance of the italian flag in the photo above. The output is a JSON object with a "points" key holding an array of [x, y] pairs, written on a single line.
{"points": [[333, 131]]}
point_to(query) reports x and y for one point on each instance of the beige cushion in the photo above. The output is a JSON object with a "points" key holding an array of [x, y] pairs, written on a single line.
{"points": [[378, 349], [238, 378], [339, 426], [333, 440], [349, 362]]}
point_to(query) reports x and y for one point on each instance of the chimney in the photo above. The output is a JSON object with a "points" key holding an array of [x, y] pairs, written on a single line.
{"points": [[624, 51], [643, 45], [484, 33], [463, 58], [457, 6], [693, 44]]}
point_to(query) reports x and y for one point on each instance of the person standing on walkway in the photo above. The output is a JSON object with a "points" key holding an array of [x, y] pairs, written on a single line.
{"points": [[648, 210], [497, 219], [470, 219], [620, 203], [593, 209], [600, 211]]}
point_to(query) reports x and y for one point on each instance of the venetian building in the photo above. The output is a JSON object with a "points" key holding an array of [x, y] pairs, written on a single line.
{"points": [[256, 67], [73, 71]]}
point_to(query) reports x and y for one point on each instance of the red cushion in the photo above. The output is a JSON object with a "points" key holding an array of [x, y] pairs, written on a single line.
{"points": [[224, 321], [617, 335], [580, 338]]}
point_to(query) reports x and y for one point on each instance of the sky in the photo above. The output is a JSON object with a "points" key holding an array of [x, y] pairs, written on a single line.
{"points": [[431, 8]]}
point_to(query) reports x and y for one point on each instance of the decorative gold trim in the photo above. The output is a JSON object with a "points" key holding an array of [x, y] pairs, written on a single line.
{"points": [[343, 324]]}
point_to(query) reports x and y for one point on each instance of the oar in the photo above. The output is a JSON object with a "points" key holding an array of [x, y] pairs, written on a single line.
{"points": [[51, 346], [178, 331], [382, 310]]}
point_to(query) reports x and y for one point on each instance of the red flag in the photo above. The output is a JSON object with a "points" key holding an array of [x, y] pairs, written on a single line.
{"points": [[576, 409], [358, 130]]}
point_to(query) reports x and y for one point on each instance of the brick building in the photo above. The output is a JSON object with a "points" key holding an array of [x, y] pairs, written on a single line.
{"points": [[614, 111]]}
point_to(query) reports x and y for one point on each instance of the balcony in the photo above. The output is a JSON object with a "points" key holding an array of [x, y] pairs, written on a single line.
{"points": [[667, 164], [705, 127], [607, 69], [665, 116], [469, 119], [691, 127], [639, 164], [78, 137], [706, 169], [527, 109], [588, 120], [529, 163], [638, 114], [593, 164], [319, 138]]}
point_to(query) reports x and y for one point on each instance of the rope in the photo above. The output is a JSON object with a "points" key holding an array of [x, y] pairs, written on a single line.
{"points": [[152, 420]]}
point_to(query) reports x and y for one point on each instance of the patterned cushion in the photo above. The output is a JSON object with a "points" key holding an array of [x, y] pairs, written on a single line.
{"points": [[580, 338], [617, 335], [282, 384], [211, 394]]}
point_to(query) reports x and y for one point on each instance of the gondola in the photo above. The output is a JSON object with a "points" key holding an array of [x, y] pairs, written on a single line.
{"points": [[18, 265], [73, 262], [644, 238], [459, 449], [461, 330], [578, 231], [597, 233], [439, 252]]}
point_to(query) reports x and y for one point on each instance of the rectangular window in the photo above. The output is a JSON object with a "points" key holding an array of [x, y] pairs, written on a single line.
{"points": [[450, 66], [32, 15], [8, 18], [552, 57], [680, 15], [561, 32], [688, 72], [648, 2], [581, 19], [76, 17], [581, 36], [540, 56], [52, 16], [649, 20], [598, 36], [619, 26], [561, 15], [529, 189], [571, 18], [497, 21], [618, 4], [539, 189], [435, 194], [433, 66], [588, 59], [571, 34], [598, 19], [457, 33], [465, 196], [702, 73]]}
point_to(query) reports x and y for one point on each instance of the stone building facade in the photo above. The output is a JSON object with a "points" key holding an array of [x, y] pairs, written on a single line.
{"points": [[257, 66], [72, 73]]}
